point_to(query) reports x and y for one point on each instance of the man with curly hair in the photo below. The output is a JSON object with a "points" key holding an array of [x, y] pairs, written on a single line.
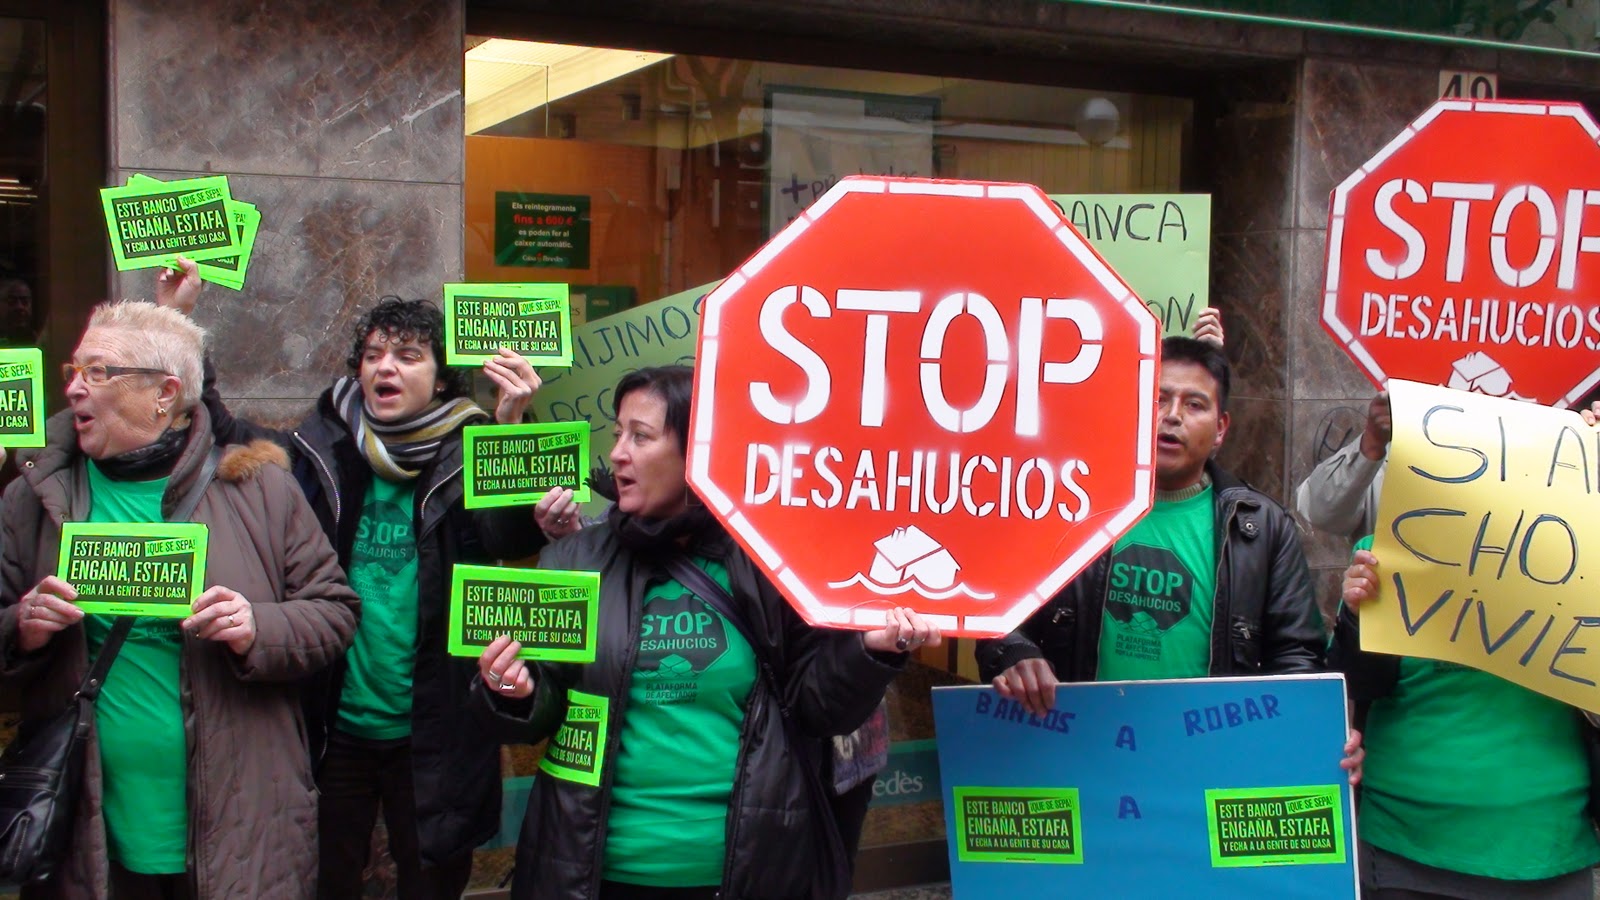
{"points": [[380, 461]]}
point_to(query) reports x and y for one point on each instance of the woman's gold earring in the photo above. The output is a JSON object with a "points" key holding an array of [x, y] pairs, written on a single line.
{"points": [[161, 410]]}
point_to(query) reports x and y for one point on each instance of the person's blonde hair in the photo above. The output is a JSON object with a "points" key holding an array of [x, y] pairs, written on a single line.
{"points": [[167, 340]]}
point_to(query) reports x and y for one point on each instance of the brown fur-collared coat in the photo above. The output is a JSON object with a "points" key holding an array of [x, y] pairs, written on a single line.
{"points": [[252, 805]]}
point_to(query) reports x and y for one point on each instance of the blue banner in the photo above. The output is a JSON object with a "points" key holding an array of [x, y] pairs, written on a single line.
{"points": [[1218, 787]]}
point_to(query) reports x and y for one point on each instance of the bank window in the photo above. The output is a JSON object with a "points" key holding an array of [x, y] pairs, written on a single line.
{"points": [[634, 176], [22, 171]]}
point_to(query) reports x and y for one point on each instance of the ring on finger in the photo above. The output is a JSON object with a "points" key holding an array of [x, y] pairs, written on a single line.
{"points": [[507, 685], [495, 677]]}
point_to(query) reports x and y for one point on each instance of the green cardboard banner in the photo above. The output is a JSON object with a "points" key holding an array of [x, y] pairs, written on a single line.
{"points": [[134, 569], [21, 397], [551, 613], [578, 748], [228, 271], [152, 223], [1016, 824], [1159, 243], [541, 230], [533, 319], [662, 333], [1291, 826], [515, 465]]}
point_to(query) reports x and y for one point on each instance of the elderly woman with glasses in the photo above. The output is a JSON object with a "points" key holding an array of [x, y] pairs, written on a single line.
{"points": [[198, 782]]}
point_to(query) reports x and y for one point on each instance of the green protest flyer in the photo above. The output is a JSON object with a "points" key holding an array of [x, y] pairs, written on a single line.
{"points": [[551, 613], [151, 223], [21, 390], [579, 746], [228, 271], [134, 568], [1289, 826], [1018, 825], [532, 319], [515, 465]]}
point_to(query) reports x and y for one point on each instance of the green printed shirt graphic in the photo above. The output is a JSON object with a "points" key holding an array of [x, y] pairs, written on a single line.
{"points": [[679, 742], [1469, 772], [139, 717], [376, 700], [1159, 595]]}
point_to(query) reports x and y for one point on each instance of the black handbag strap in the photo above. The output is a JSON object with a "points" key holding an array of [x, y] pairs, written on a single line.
{"points": [[89, 689], [706, 588]]}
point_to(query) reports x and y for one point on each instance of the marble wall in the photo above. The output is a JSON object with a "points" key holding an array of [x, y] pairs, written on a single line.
{"points": [[342, 122]]}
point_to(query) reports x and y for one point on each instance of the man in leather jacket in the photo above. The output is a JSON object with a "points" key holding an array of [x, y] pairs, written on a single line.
{"points": [[1212, 582]]}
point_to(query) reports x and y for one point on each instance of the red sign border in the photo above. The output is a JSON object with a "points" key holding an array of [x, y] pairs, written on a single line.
{"points": [[702, 425], [1337, 213]]}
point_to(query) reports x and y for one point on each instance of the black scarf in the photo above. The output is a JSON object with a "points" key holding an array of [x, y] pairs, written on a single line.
{"points": [[152, 461]]}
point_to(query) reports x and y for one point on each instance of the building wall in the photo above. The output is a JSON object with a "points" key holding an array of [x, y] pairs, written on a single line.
{"points": [[342, 122]]}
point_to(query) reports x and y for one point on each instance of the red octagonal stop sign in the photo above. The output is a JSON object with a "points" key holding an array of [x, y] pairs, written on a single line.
{"points": [[1467, 253], [925, 393]]}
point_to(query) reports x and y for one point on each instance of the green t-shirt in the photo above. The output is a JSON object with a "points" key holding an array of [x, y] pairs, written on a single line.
{"points": [[679, 743], [1160, 593], [1468, 772], [139, 718], [376, 701]]}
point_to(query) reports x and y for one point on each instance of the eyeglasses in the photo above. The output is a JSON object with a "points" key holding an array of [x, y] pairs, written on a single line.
{"points": [[98, 374]]}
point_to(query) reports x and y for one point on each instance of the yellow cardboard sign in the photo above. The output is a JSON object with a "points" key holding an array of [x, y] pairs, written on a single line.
{"points": [[1488, 540]]}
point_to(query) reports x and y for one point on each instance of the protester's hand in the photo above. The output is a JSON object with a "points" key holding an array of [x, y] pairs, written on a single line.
{"points": [[903, 630], [502, 671], [1208, 327], [517, 381], [1380, 427], [1354, 756], [1360, 581], [44, 611], [223, 614], [1030, 682], [1591, 416], [557, 513], [179, 290]]}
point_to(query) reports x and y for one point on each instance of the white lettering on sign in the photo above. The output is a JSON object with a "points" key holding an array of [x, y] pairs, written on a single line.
{"points": [[913, 481], [1568, 235], [1033, 370], [1484, 321]]}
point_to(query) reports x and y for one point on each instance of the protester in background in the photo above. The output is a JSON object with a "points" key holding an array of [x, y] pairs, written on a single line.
{"points": [[197, 784], [1340, 496], [1235, 595], [380, 461], [711, 780], [1475, 788]]}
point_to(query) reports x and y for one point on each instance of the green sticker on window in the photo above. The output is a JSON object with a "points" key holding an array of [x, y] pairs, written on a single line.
{"points": [[1288, 826], [1018, 825], [535, 320], [134, 569], [21, 389], [515, 465], [551, 613], [577, 750]]}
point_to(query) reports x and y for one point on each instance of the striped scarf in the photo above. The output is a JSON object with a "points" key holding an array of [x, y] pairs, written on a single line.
{"points": [[398, 450]]}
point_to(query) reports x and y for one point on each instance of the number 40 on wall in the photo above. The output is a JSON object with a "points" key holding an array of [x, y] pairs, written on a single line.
{"points": [[1456, 84]]}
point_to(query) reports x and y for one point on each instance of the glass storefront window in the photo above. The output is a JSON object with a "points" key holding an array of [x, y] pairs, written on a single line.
{"points": [[632, 176], [22, 171]]}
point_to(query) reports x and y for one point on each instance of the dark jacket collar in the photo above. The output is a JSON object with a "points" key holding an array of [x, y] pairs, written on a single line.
{"points": [[56, 470]]}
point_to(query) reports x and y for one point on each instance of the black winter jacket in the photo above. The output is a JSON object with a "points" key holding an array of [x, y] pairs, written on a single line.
{"points": [[830, 682], [455, 760], [1265, 621]]}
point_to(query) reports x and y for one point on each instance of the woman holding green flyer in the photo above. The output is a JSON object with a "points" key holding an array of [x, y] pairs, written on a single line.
{"points": [[688, 761], [197, 783]]}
